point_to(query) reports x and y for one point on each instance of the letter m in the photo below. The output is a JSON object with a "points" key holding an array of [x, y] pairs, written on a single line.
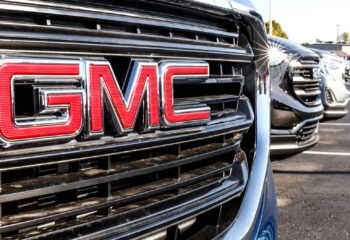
{"points": [[103, 88]]}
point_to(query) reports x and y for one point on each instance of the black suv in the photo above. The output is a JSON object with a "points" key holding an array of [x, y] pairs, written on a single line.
{"points": [[296, 106]]}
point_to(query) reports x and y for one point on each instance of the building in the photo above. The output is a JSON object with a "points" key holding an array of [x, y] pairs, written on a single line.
{"points": [[340, 49]]}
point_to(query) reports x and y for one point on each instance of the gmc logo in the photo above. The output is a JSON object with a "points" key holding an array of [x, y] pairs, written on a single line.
{"points": [[71, 96]]}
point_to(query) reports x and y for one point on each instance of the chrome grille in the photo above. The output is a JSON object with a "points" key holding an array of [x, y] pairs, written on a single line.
{"points": [[306, 83], [131, 185]]}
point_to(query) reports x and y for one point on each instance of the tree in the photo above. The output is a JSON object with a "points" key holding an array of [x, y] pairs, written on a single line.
{"points": [[319, 41], [305, 44], [345, 37], [276, 29]]}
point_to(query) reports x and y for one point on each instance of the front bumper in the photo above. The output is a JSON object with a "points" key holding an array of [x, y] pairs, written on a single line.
{"points": [[289, 118], [284, 142], [336, 109]]}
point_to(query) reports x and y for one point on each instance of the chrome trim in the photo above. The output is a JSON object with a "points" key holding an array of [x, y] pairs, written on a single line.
{"points": [[226, 5], [335, 113], [244, 224], [296, 128], [286, 148]]}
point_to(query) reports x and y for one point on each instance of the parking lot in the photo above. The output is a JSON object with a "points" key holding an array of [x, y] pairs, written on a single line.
{"points": [[313, 188]]}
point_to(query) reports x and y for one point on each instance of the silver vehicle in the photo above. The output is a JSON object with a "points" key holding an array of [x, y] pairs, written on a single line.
{"points": [[335, 94]]}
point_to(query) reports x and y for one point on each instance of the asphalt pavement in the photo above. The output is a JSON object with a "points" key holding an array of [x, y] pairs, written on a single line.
{"points": [[313, 188]]}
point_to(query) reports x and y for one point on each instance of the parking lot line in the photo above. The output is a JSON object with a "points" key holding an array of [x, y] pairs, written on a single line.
{"points": [[335, 124], [327, 153]]}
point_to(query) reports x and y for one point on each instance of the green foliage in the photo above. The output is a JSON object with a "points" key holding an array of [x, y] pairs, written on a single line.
{"points": [[276, 29], [305, 44], [345, 36], [319, 40]]}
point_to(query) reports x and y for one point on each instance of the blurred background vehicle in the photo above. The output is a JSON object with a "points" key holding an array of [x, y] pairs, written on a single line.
{"points": [[334, 84], [347, 75], [296, 106]]}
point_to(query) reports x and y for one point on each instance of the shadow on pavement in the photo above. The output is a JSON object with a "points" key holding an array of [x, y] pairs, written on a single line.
{"points": [[312, 172]]}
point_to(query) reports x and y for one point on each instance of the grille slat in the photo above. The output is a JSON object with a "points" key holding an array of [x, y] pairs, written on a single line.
{"points": [[125, 213], [119, 197], [88, 200], [89, 29], [220, 92], [36, 187]]}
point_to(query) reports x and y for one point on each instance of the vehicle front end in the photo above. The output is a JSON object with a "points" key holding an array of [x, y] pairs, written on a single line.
{"points": [[296, 107], [334, 85], [134, 120]]}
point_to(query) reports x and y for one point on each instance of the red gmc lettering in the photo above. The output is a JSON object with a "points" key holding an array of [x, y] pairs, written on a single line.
{"points": [[146, 86], [143, 78], [170, 71], [8, 129]]}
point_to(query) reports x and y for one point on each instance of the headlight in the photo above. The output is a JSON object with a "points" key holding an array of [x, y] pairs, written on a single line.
{"points": [[331, 68], [322, 67], [316, 72], [276, 56], [330, 63]]}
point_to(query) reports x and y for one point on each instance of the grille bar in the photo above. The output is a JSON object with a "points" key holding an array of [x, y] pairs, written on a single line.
{"points": [[36, 191], [115, 32], [32, 188], [223, 193], [51, 214], [17, 159]]}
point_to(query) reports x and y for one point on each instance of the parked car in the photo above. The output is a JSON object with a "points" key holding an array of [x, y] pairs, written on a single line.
{"points": [[334, 84], [134, 120], [296, 106], [347, 75]]}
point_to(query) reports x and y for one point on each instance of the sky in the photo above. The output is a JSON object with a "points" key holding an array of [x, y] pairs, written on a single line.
{"points": [[308, 20]]}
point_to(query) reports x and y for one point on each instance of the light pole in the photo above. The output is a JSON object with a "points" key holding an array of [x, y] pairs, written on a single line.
{"points": [[338, 37], [270, 29], [337, 51]]}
